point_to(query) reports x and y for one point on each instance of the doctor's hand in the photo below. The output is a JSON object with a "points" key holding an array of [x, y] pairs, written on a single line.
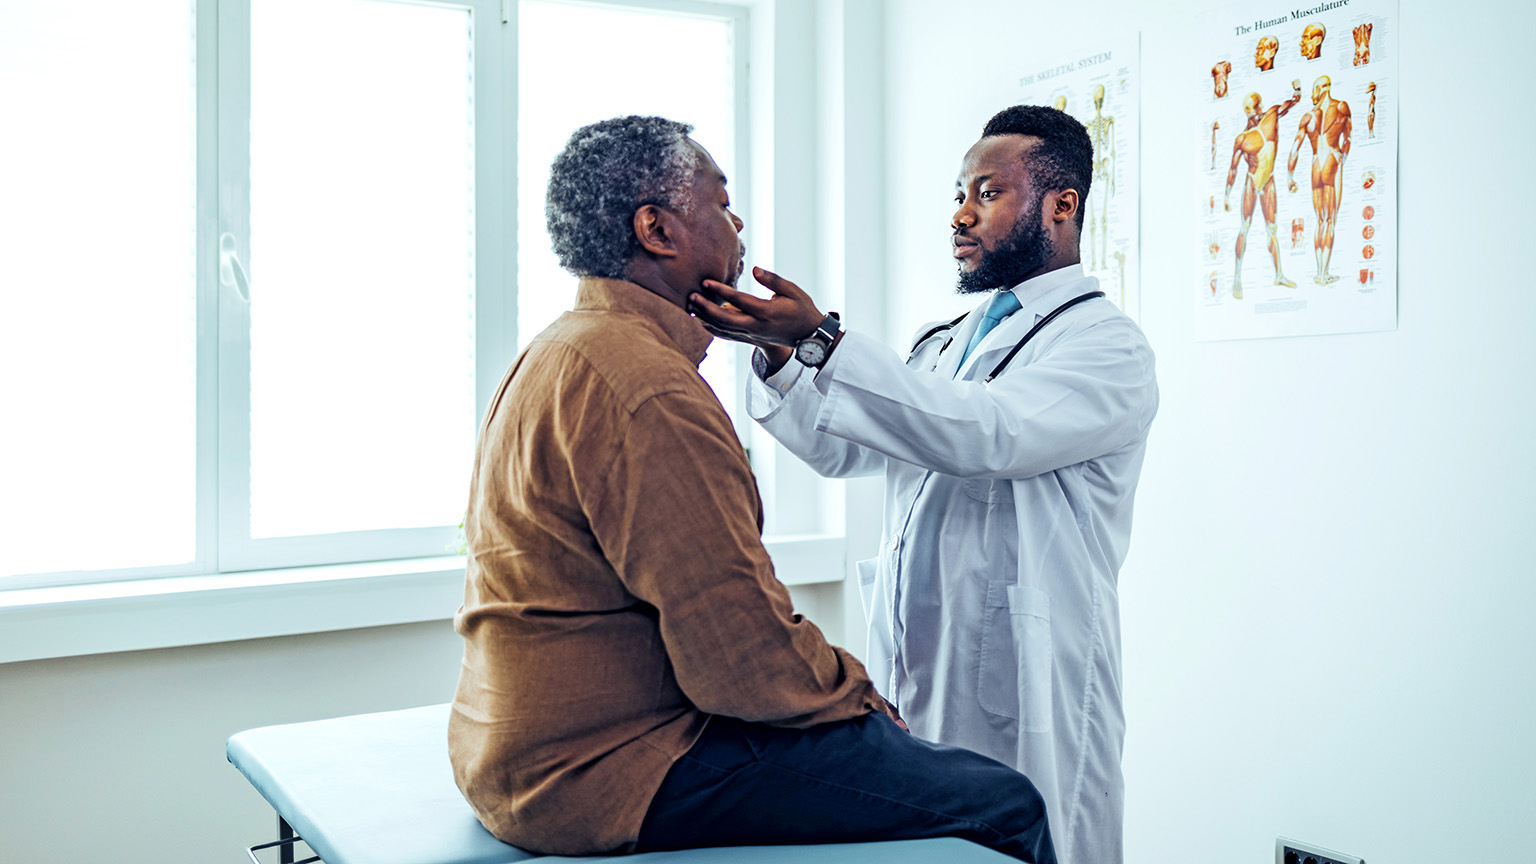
{"points": [[777, 322]]}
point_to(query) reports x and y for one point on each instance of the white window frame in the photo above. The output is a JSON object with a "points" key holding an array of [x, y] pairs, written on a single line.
{"points": [[237, 550]]}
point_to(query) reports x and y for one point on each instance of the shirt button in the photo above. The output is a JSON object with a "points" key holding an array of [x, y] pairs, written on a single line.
{"points": [[895, 542]]}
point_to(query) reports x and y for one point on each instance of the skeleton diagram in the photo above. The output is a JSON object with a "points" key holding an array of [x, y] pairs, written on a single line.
{"points": [[1059, 103], [1312, 41], [1101, 131], [1362, 45], [1370, 117], [1120, 259], [1257, 145], [1329, 121]]}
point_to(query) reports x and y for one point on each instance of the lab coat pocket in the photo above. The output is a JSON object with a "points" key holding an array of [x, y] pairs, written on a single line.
{"points": [[1014, 679], [867, 570], [989, 491]]}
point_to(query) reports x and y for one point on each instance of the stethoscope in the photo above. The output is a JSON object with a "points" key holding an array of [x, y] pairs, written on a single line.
{"points": [[1039, 325]]}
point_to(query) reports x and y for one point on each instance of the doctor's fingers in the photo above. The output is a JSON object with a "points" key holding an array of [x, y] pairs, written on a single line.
{"points": [[779, 285], [711, 314], [737, 336], [755, 306]]}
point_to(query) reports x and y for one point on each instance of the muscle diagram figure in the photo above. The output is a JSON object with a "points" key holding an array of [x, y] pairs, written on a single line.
{"points": [[1264, 53], [1219, 74], [1257, 145], [1370, 117], [1363, 45], [1298, 230], [1312, 41], [1214, 126], [1101, 131], [1327, 128]]}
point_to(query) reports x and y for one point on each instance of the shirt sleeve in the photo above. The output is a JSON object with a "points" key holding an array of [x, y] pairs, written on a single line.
{"points": [[1091, 394], [680, 520]]}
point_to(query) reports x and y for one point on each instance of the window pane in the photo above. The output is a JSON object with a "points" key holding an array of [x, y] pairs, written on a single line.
{"points": [[362, 266], [603, 84], [97, 284]]}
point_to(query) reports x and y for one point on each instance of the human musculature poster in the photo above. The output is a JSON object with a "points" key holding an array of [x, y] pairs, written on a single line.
{"points": [[1099, 85], [1297, 136]]}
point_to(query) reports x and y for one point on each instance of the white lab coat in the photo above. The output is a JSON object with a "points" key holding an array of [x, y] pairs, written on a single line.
{"points": [[992, 605]]}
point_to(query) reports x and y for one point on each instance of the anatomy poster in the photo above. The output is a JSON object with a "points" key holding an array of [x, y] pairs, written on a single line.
{"points": [[1298, 161], [1099, 86]]}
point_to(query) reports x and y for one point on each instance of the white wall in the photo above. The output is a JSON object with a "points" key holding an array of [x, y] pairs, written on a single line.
{"points": [[120, 757], [1326, 609]]}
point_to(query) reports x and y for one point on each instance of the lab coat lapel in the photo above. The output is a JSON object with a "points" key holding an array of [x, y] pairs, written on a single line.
{"points": [[960, 337], [1008, 332]]}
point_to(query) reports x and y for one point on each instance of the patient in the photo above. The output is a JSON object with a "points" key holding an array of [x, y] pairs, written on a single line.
{"points": [[635, 677]]}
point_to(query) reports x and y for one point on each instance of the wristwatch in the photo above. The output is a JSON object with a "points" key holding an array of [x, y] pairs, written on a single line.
{"points": [[812, 351]]}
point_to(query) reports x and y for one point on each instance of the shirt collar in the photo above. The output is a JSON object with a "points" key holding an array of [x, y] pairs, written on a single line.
{"points": [[627, 298], [1042, 294]]}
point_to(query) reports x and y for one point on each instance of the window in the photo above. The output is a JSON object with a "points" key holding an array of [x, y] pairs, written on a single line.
{"points": [[347, 432], [252, 283]]}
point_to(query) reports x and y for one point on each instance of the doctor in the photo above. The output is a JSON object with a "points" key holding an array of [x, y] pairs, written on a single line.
{"points": [[1011, 441]]}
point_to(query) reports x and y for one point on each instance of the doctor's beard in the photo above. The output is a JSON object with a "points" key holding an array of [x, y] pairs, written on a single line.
{"points": [[1025, 250]]}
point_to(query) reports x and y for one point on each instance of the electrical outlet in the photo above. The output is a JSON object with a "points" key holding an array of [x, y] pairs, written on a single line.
{"points": [[1288, 851]]}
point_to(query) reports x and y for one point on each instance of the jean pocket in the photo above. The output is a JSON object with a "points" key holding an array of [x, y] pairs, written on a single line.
{"points": [[1014, 677]]}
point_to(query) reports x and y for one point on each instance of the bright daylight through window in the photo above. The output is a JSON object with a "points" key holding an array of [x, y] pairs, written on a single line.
{"points": [[362, 265], [558, 93], [98, 285]]}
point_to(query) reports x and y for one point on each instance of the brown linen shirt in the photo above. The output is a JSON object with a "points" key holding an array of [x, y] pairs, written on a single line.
{"points": [[618, 590]]}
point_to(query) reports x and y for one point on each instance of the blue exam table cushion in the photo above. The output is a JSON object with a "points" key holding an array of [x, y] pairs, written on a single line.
{"points": [[378, 789], [370, 789]]}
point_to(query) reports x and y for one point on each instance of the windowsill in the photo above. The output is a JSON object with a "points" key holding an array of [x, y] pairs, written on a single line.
{"points": [[40, 623]]}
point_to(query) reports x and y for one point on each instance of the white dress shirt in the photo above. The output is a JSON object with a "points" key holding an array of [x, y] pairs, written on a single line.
{"points": [[992, 604]]}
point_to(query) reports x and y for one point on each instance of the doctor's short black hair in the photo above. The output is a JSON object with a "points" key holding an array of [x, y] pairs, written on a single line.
{"points": [[1064, 157], [606, 172]]}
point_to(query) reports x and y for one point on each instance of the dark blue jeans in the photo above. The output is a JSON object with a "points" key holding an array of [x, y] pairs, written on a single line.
{"points": [[866, 779]]}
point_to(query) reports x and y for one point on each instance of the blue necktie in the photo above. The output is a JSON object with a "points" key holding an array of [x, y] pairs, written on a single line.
{"points": [[1004, 303]]}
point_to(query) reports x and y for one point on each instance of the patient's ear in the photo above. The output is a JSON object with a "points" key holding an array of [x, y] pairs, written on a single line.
{"points": [[656, 228]]}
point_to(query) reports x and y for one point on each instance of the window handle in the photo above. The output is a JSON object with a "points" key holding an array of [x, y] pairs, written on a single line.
{"points": [[230, 271]]}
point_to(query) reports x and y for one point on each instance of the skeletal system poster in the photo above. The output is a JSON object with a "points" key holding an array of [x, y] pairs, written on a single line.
{"points": [[1098, 85], [1298, 167]]}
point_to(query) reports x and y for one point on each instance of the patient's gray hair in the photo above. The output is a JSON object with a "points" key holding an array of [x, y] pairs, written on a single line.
{"points": [[606, 172]]}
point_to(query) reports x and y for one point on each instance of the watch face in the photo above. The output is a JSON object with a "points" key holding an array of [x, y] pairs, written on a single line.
{"points": [[811, 352]]}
